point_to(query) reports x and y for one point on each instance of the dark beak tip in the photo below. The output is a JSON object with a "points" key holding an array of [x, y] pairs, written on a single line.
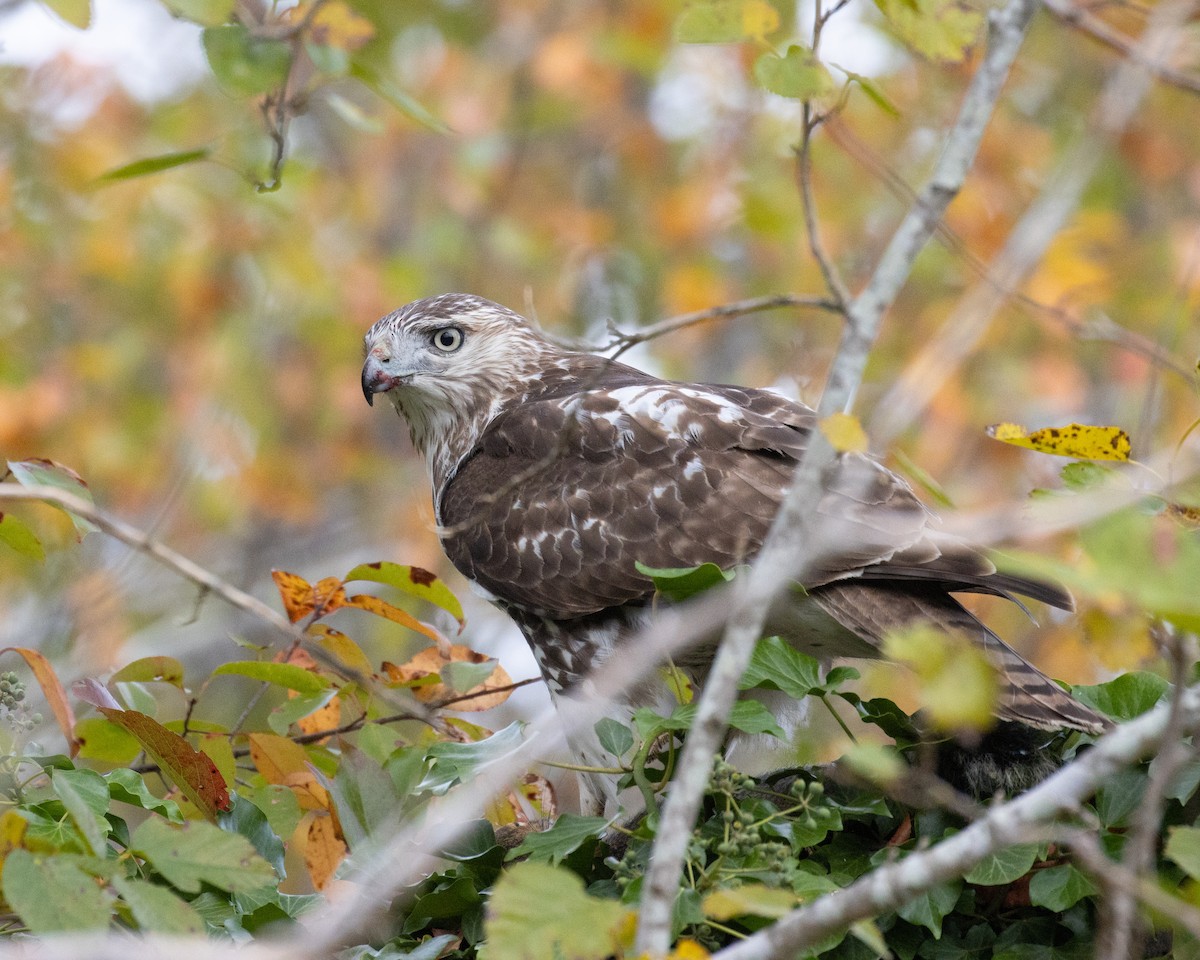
{"points": [[368, 392]]}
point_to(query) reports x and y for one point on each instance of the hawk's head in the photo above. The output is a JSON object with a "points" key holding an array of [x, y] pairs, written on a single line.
{"points": [[449, 364]]}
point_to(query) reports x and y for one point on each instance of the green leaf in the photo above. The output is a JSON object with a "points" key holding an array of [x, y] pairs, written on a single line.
{"points": [[1120, 796], [941, 30], [78, 13], [244, 64], [461, 676], [406, 104], [101, 739], [295, 709], [207, 13], [614, 736], [538, 912], [304, 682], [777, 666], [364, 795], [197, 852], [18, 535], [52, 894], [798, 74], [1005, 866], [928, 909], [279, 804], [1059, 888], [680, 583], [414, 581], [85, 795], [456, 761], [725, 21], [1124, 697], [876, 95], [247, 820], [127, 786], [47, 473], [156, 164], [1183, 846], [1085, 474], [567, 835], [157, 909], [149, 669]]}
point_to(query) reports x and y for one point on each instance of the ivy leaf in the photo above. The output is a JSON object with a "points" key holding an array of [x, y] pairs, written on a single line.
{"points": [[1059, 888], [1124, 697], [680, 583], [127, 786], [1004, 866], [614, 736], [456, 761], [85, 795], [799, 75], [195, 853], [930, 908], [538, 911], [567, 835], [776, 665]]}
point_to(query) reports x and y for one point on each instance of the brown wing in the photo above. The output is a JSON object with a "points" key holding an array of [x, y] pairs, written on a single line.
{"points": [[569, 489]]}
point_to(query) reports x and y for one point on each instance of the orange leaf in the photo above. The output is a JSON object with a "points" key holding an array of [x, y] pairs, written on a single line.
{"points": [[381, 608], [341, 648], [296, 593], [430, 661], [317, 840], [324, 718], [191, 771], [56, 696], [328, 595], [275, 757]]}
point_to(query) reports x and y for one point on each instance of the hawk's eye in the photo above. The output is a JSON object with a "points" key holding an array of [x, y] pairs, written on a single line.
{"points": [[448, 339]]}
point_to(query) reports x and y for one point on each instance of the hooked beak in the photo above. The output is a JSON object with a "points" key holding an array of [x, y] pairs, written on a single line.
{"points": [[375, 379]]}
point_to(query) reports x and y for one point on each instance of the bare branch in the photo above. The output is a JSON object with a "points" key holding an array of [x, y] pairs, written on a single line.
{"points": [[1006, 31], [1026, 245], [795, 533], [1093, 26], [894, 884]]}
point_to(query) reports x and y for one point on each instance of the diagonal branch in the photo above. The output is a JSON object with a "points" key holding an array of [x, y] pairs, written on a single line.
{"points": [[795, 534], [894, 884]]}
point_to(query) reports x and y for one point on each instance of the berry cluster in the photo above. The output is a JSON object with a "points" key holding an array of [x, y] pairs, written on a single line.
{"points": [[12, 706]]}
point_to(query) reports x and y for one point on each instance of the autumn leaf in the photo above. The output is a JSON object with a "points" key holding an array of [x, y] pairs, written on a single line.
{"points": [[323, 850], [430, 662], [381, 608], [941, 30], [414, 581], [1077, 440], [844, 432], [191, 771], [53, 691]]}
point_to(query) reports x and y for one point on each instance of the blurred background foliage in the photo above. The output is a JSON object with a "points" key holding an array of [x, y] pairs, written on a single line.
{"points": [[188, 340]]}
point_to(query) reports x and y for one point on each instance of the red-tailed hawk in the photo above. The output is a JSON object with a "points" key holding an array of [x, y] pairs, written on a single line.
{"points": [[555, 472]]}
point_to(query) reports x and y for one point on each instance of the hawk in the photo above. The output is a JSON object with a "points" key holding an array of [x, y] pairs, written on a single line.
{"points": [[556, 472]]}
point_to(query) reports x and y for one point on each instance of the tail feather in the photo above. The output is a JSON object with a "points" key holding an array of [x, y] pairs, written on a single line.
{"points": [[1027, 696]]}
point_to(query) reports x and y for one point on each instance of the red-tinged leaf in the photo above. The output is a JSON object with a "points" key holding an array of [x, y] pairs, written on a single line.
{"points": [[90, 690], [19, 537], [53, 690], [414, 581], [381, 608], [47, 473], [163, 669], [191, 771]]}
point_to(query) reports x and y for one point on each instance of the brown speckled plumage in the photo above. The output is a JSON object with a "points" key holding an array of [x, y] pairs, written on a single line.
{"points": [[554, 471]]}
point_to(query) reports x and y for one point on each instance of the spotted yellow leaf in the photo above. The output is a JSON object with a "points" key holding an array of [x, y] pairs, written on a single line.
{"points": [[844, 433], [1079, 440]]}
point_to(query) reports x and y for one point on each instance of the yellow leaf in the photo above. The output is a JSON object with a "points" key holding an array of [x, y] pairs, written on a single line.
{"points": [[750, 899], [317, 841], [844, 433], [1079, 440], [431, 662], [959, 687], [335, 25], [758, 19]]}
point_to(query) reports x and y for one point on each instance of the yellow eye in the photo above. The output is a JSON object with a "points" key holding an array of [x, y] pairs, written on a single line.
{"points": [[448, 339]]}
